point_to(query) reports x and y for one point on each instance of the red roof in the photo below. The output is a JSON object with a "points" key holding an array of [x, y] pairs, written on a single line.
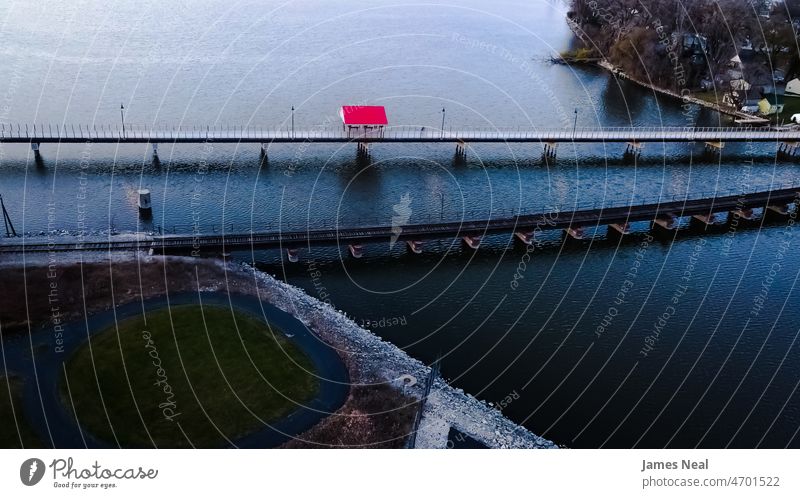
{"points": [[363, 115]]}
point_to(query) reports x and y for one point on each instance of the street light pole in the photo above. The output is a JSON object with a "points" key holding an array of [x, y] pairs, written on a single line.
{"points": [[443, 114], [575, 125], [292, 121], [122, 116]]}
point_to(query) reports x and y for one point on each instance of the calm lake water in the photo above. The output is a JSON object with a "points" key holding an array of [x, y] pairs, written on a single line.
{"points": [[723, 369]]}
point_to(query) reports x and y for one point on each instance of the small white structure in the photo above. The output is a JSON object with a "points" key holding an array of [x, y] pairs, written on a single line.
{"points": [[793, 88], [740, 84], [144, 200]]}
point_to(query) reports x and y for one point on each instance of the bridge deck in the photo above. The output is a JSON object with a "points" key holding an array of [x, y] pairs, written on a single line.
{"points": [[400, 134], [362, 234]]}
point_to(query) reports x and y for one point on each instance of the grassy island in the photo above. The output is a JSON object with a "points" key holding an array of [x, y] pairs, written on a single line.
{"points": [[189, 376]]}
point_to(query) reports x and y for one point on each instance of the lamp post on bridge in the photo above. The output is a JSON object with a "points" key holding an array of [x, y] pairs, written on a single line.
{"points": [[122, 117], [575, 124], [292, 121], [443, 114]]}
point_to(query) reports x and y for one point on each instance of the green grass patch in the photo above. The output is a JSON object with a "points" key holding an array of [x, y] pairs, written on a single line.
{"points": [[187, 377], [14, 435], [791, 106], [712, 97], [579, 54]]}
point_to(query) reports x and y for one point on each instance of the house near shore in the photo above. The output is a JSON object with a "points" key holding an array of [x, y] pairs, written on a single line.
{"points": [[363, 120], [772, 103], [692, 45], [740, 84]]}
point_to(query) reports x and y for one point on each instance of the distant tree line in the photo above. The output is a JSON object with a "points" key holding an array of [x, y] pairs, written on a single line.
{"points": [[679, 43]]}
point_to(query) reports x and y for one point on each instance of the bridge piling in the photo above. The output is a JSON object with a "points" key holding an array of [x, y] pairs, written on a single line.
{"points": [[526, 238], [702, 222], [35, 149], [743, 214], [664, 224], [618, 230], [264, 156], [787, 150], [414, 246], [550, 149], [356, 250], [145, 206], [155, 151], [362, 152], [776, 211], [472, 241], [461, 151], [633, 150], [574, 233], [714, 148]]}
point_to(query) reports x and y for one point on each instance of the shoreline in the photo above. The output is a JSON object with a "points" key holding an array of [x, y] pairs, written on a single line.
{"points": [[376, 361], [684, 99], [379, 372]]}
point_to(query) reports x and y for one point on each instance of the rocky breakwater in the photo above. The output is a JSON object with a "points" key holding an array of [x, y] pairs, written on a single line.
{"points": [[373, 361]]}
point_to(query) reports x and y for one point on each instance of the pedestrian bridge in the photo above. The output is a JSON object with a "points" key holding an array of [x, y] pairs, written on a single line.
{"points": [[48, 133]]}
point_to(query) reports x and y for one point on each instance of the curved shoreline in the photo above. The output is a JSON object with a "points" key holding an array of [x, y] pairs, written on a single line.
{"points": [[376, 411], [603, 63], [55, 423]]}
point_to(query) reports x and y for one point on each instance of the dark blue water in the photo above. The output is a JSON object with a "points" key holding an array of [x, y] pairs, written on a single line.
{"points": [[708, 381]]}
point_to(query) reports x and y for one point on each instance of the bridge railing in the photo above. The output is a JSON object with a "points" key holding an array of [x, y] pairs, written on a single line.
{"points": [[467, 216], [257, 132]]}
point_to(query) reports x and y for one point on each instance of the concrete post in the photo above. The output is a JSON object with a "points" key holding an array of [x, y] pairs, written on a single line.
{"points": [[145, 206]]}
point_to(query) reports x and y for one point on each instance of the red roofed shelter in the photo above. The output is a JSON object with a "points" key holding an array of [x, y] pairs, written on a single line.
{"points": [[367, 120]]}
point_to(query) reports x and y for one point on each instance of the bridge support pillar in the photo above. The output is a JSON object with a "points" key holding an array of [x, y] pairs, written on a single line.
{"points": [[155, 151], [526, 238], [363, 153], [414, 246], [264, 156], [787, 150], [714, 147], [472, 241], [35, 148], [461, 151], [741, 214], [550, 149], [776, 212], [293, 255], [633, 150], [356, 250], [574, 233], [664, 224], [619, 229], [145, 206], [703, 221]]}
